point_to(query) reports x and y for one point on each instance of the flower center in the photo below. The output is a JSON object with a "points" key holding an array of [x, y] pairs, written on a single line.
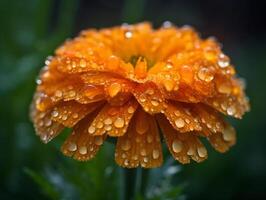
{"points": [[135, 58]]}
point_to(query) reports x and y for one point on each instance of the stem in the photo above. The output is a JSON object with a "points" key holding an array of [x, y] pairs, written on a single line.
{"points": [[134, 182]]}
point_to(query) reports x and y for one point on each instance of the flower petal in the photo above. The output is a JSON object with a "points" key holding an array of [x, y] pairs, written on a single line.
{"points": [[211, 121], [140, 147], [44, 126], [149, 97], [69, 113], [113, 120], [182, 146], [80, 145], [223, 141], [181, 118]]}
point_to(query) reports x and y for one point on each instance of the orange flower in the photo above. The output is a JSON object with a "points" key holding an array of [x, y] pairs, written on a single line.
{"points": [[128, 82]]}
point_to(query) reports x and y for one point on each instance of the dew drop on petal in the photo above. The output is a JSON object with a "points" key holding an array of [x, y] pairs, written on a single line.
{"points": [[177, 146], [108, 121], [231, 110], [155, 154], [126, 145], [55, 113], [224, 88], [99, 124], [202, 151], [128, 34], [48, 122], [91, 129], [143, 152], [83, 150], [168, 84], [205, 74], [114, 89], [75, 116], [229, 134], [82, 63], [130, 110], [154, 102], [72, 146], [58, 93], [180, 123], [119, 122], [223, 61]]}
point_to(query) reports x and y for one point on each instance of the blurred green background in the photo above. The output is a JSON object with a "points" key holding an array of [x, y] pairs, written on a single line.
{"points": [[32, 29]]}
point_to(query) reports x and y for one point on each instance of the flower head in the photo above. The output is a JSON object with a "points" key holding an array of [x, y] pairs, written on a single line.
{"points": [[129, 82]]}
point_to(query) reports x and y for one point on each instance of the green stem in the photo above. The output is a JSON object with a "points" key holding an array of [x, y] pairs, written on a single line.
{"points": [[134, 182]]}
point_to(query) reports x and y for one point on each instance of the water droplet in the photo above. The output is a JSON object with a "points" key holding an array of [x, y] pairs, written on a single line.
{"points": [[83, 150], [108, 121], [126, 162], [119, 122], [130, 110], [145, 159], [177, 113], [143, 152], [202, 151], [108, 128], [64, 117], [48, 122], [114, 89], [190, 152], [128, 34], [168, 84], [149, 138], [82, 63], [229, 134], [98, 140], [224, 88], [75, 115], [72, 146], [167, 24], [135, 157], [177, 146], [231, 110], [142, 98], [179, 122], [223, 61], [91, 129], [150, 92], [205, 74], [38, 81], [58, 93], [126, 145], [72, 93], [99, 124], [55, 113], [155, 154], [154, 102]]}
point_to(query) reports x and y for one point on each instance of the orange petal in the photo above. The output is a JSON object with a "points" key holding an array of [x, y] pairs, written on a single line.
{"points": [[181, 118], [44, 126], [81, 145], [113, 119], [140, 148], [223, 141], [149, 97], [211, 121], [182, 146], [71, 112]]}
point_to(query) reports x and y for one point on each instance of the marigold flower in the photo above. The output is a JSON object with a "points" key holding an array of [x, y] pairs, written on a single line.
{"points": [[130, 81]]}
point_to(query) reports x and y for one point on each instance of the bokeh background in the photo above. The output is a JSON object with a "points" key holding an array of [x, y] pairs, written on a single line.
{"points": [[30, 30]]}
